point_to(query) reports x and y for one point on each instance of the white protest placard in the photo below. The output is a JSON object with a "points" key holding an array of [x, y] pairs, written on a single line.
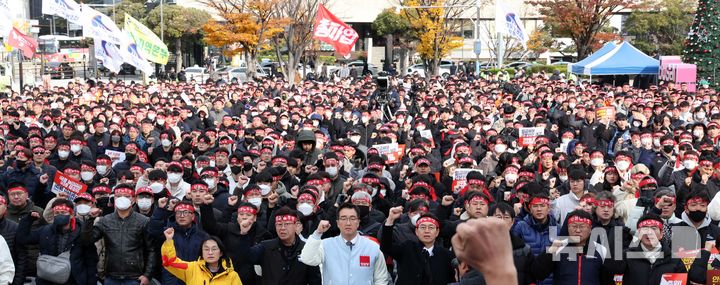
{"points": [[115, 156], [460, 178], [65, 184], [528, 136]]}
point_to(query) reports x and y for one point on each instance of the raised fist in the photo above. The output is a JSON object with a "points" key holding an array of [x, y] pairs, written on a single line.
{"points": [[208, 199], [232, 201], [162, 203], [394, 214], [169, 233], [323, 226], [447, 200]]}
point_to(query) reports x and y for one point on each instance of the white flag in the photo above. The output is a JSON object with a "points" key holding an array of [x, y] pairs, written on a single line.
{"points": [[5, 24], [99, 26], [130, 55], [508, 22], [67, 9], [109, 54]]}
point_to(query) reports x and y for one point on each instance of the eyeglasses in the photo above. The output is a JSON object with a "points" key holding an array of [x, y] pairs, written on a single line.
{"points": [[284, 225], [183, 213], [39, 152], [348, 219]]}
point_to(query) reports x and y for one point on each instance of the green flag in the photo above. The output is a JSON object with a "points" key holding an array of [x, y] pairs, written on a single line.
{"points": [[148, 44]]}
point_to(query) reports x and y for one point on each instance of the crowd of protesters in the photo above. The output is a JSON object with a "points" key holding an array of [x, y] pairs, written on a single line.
{"points": [[266, 183]]}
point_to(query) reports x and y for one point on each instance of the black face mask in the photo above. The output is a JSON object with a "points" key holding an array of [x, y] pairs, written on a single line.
{"points": [[236, 169], [247, 166], [249, 140], [47, 123], [668, 148], [697, 216], [130, 157], [61, 220], [364, 211], [21, 164]]}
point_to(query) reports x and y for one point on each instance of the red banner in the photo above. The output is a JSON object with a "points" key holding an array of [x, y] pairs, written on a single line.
{"points": [[64, 183], [22, 42], [332, 31]]}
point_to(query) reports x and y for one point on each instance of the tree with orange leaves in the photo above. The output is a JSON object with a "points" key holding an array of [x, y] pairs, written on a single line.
{"points": [[246, 27], [580, 20]]}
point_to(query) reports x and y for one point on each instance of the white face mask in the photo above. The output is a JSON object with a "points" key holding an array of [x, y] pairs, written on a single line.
{"points": [[157, 187], [87, 175], [284, 122], [689, 164], [166, 142], [255, 201], [174, 177], [210, 182], [698, 133], [144, 203], [212, 163], [511, 177], [596, 161], [563, 178], [81, 128], [623, 165], [102, 169], [566, 140], [332, 171], [83, 209], [305, 208], [123, 203], [355, 139], [656, 142], [264, 189], [151, 116], [414, 219], [63, 153], [646, 141], [160, 122], [500, 148], [365, 120], [75, 148], [420, 128]]}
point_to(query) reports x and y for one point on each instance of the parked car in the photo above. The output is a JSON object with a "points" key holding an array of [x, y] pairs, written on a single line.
{"points": [[488, 65], [199, 74], [519, 64], [127, 69], [562, 63], [420, 68], [240, 73], [59, 70]]}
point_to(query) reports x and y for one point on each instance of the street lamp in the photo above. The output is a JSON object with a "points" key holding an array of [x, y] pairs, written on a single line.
{"points": [[476, 24]]}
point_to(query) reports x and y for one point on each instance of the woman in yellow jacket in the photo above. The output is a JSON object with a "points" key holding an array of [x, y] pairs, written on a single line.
{"points": [[213, 268]]}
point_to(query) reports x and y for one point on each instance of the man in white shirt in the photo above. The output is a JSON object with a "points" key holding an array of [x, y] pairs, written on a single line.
{"points": [[348, 258], [568, 202], [7, 267]]}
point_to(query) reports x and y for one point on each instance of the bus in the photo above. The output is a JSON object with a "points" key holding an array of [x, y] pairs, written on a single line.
{"points": [[59, 48]]}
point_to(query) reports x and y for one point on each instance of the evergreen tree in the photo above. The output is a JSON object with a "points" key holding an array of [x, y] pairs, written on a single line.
{"points": [[702, 46]]}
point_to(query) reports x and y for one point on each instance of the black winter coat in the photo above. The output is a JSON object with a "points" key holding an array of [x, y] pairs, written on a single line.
{"points": [[414, 266], [280, 264], [640, 271]]}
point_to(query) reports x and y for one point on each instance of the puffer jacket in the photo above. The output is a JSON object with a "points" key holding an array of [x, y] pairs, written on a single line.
{"points": [[536, 235], [587, 268], [189, 241], [196, 272], [52, 241], [127, 245]]}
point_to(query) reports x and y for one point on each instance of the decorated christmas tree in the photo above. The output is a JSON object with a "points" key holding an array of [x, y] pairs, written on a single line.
{"points": [[702, 46]]}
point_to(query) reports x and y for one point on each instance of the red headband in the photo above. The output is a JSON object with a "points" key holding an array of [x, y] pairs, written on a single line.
{"points": [[637, 176], [427, 220], [690, 156], [210, 172], [247, 210], [478, 198], [285, 218], [136, 168], [658, 200], [199, 187], [650, 223], [124, 190], [306, 196], [706, 163], [539, 200], [63, 208], [370, 180], [696, 200], [17, 189], [185, 207], [578, 219], [588, 200], [70, 171], [279, 160], [605, 203], [527, 174], [476, 182], [315, 182]]}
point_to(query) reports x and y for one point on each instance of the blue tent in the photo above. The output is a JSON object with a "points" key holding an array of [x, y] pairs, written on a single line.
{"points": [[623, 59], [579, 66]]}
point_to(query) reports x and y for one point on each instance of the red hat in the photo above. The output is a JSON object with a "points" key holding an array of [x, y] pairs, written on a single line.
{"points": [[144, 189]]}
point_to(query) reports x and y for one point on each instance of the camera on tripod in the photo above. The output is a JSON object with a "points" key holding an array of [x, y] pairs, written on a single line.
{"points": [[383, 85]]}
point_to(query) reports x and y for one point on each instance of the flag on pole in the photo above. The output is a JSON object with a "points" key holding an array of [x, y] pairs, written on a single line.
{"points": [[99, 26], [332, 31], [130, 54], [67, 9], [508, 22], [148, 44], [22, 42], [109, 54]]}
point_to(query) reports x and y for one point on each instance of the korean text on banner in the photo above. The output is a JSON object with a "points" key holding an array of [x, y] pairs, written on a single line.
{"points": [[605, 113], [393, 151], [334, 32], [26, 44], [673, 279], [115, 156], [528, 135], [460, 178], [148, 44], [64, 184]]}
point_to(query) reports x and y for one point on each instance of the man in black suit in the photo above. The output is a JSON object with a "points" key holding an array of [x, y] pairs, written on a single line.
{"points": [[422, 261]]}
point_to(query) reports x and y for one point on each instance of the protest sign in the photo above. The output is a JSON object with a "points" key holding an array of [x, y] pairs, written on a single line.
{"points": [[460, 178], [528, 136], [393, 151], [65, 184], [115, 156], [605, 113]]}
